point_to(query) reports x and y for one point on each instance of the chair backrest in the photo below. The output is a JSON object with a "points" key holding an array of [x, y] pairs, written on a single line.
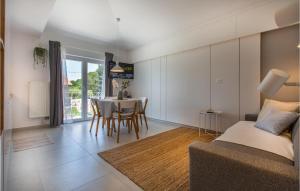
{"points": [[95, 105], [128, 106], [144, 102]]}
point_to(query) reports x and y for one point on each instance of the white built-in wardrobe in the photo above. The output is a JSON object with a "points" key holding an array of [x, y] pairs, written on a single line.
{"points": [[221, 76]]}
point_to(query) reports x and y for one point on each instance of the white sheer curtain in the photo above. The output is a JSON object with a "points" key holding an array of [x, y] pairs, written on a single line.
{"points": [[67, 99]]}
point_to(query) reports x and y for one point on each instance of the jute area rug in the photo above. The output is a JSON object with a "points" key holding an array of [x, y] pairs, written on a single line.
{"points": [[160, 162]]}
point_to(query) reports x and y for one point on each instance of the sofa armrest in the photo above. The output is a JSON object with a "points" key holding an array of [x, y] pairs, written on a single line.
{"points": [[251, 117], [213, 167]]}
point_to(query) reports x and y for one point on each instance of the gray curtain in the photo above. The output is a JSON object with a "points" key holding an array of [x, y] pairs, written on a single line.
{"points": [[56, 84], [108, 80]]}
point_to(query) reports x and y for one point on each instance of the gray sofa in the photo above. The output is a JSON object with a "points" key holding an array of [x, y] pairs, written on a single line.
{"points": [[219, 165]]}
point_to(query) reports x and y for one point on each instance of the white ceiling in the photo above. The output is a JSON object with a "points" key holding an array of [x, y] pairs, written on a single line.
{"points": [[142, 21], [30, 15]]}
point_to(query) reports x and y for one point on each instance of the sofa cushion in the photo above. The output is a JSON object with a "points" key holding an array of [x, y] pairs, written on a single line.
{"points": [[253, 151], [278, 105], [214, 167], [275, 121], [245, 133]]}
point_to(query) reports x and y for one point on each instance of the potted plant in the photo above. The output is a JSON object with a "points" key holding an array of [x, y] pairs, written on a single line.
{"points": [[40, 56], [125, 85]]}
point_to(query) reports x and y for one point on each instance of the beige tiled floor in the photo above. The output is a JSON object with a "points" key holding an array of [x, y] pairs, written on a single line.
{"points": [[72, 163]]}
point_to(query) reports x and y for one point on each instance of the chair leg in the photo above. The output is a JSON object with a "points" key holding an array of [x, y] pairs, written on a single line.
{"points": [[141, 119], [118, 133], [92, 123], [103, 122], [128, 126], [135, 128], [98, 119], [113, 126], [136, 118], [123, 123], [146, 121], [108, 126]]}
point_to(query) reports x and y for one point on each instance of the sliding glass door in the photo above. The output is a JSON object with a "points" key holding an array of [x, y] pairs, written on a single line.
{"points": [[95, 84], [85, 80]]}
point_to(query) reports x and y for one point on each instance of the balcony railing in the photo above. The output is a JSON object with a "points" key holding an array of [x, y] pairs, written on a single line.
{"points": [[73, 104]]}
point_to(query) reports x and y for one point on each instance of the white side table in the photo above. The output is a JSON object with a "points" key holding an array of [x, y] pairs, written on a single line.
{"points": [[209, 116]]}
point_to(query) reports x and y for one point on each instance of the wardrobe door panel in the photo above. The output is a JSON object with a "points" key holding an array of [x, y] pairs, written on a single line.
{"points": [[225, 81], [249, 75], [141, 85], [188, 85], [155, 88], [163, 88]]}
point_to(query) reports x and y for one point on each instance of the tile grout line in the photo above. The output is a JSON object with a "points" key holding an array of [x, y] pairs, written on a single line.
{"points": [[68, 134]]}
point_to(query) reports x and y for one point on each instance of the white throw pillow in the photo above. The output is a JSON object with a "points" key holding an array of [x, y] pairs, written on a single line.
{"points": [[275, 121], [278, 105]]}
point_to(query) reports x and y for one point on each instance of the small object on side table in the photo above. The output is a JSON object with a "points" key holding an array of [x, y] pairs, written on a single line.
{"points": [[210, 114]]}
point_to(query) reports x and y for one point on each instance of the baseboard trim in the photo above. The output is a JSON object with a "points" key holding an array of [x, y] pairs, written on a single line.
{"points": [[180, 124]]}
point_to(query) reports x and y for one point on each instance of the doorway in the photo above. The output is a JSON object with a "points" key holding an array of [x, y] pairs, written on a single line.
{"points": [[85, 80]]}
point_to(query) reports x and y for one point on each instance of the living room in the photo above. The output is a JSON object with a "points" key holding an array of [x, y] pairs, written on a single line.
{"points": [[150, 95]]}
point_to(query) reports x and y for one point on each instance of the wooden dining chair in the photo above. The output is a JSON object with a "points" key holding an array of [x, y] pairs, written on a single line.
{"points": [[126, 112], [142, 111], [93, 106], [96, 113]]}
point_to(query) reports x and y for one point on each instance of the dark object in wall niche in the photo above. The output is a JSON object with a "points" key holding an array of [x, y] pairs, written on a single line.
{"points": [[127, 74]]}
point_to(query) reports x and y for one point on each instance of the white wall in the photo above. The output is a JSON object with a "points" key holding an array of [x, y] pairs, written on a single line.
{"points": [[238, 24], [221, 76], [21, 70], [7, 68], [82, 47]]}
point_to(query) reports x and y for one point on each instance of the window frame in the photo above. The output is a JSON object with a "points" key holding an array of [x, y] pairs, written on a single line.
{"points": [[84, 75]]}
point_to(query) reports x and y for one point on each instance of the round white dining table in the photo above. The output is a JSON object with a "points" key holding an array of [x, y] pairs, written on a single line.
{"points": [[109, 105]]}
